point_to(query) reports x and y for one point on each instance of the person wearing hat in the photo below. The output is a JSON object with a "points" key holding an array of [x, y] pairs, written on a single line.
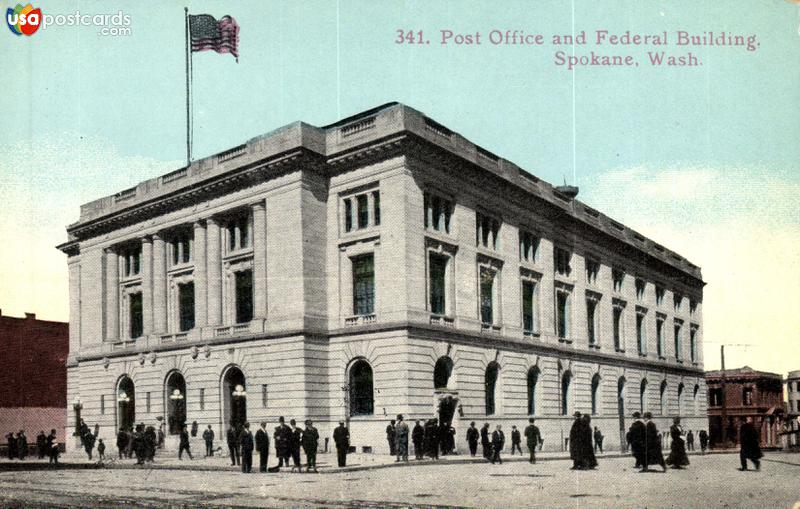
{"points": [[295, 441], [391, 437], [486, 445], [341, 437], [401, 439], [282, 438], [472, 439], [246, 441], [652, 454], [498, 441], [677, 454], [262, 444], [575, 437], [418, 437], [310, 445], [636, 439], [532, 437]]}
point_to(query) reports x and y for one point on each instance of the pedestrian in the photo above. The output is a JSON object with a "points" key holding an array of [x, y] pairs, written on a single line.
{"points": [[516, 440], [83, 430], [636, 438], [184, 443], [160, 436], [310, 445], [262, 444], [282, 438], [232, 440], [431, 439], [532, 439], [88, 444], [574, 442], [703, 440], [401, 439], [122, 442], [390, 437], [486, 444], [138, 443], [22, 444], [450, 438], [150, 441], [194, 429], [651, 452], [101, 449], [498, 441], [341, 437], [246, 440], [690, 441], [473, 435], [295, 441], [12, 445], [598, 439], [418, 437], [41, 444], [590, 460], [750, 445], [677, 452], [208, 438], [52, 446]]}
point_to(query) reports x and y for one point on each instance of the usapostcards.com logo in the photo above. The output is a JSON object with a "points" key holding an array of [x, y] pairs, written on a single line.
{"points": [[27, 20]]}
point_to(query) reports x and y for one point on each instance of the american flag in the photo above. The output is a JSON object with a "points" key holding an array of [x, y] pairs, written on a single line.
{"points": [[209, 34]]}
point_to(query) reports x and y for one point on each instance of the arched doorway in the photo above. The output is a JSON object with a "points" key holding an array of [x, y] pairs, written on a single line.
{"points": [[361, 393], [442, 371], [621, 412], [175, 401], [234, 395], [126, 403]]}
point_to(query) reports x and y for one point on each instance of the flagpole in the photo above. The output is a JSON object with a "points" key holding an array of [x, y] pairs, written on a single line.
{"points": [[188, 91]]}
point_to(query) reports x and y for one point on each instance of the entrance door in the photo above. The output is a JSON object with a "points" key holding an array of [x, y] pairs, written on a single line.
{"points": [[621, 413], [235, 398], [126, 404]]}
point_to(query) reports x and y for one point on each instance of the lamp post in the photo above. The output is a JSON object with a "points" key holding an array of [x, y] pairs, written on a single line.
{"points": [[77, 406], [178, 418], [346, 391], [239, 394]]}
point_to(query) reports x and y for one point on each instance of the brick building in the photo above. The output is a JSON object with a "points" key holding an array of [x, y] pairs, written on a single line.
{"points": [[792, 424], [748, 393], [379, 265], [33, 375]]}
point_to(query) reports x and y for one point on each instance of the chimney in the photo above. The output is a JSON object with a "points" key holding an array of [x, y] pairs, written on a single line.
{"points": [[30, 316]]}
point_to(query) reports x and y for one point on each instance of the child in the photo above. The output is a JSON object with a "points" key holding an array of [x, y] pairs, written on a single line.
{"points": [[101, 449]]}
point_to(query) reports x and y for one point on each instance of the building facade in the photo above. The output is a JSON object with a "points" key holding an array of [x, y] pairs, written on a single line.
{"points": [[33, 376], [379, 265], [792, 424], [747, 393]]}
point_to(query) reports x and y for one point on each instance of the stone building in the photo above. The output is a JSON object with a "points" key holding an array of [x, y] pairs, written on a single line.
{"points": [[379, 265], [747, 393], [792, 424]]}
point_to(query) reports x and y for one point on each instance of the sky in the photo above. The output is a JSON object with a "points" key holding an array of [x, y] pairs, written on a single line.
{"points": [[704, 159]]}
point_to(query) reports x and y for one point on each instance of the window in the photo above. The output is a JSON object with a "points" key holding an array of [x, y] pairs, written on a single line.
{"points": [[619, 344], [592, 269], [244, 296], [747, 396], [643, 395], [678, 345], [591, 320], [692, 307], [361, 392], [441, 372], [715, 397], [595, 393], [363, 285], [640, 285], [181, 246], [487, 231], [437, 270], [562, 314], [660, 337], [264, 396], [132, 259], [238, 232], [376, 207], [528, 246], [641, 339], [362, 210], [663, 397], [529, 307], [659, 295], [202, 399], [136, 316], [102, 404], [566, 394], [487, 277], [186, 306], [533, 379], [680, 399], [438, 212], [619, 276], [677, 299], [348, 215], [562, 259], [490, 384], [693, 344], [147, 402]]}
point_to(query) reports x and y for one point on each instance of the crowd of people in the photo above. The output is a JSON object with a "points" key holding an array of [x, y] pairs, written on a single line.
{"points": [[46, 446]]}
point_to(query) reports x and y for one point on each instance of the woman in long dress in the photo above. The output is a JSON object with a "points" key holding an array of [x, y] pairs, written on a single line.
{"points": [[677, 454]]}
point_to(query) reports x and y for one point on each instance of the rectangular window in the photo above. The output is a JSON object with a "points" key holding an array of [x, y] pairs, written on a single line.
{"points": [[376, 207], [618, 329], [487, 231], [640, 285], [186, 306], [641, 339], [715, 397], [659, 295], [678, 341], [132, 261], [562, 314], [438, 212], [660, 338], [364, 285], [677, 299], [592, 269], [747, 396], [264, 396], [102, 404], [487, 276], [437, 267], [202, 399], [147, 402], [693, 344], [562, 259], [619, 276], [529, 324], [528, 247], [238, 231], [363, 210], [348, 215], [182, 249], [591, 321], [244, 296], [136, 316]]}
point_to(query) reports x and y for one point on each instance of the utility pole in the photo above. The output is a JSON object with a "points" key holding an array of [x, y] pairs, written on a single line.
{"points": [[724, 397]]}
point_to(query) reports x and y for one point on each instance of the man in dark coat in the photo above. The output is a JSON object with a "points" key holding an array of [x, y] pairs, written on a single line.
{"points": [[310, 445], [232, 439], [88, 444], [574, 442], [208, 438], [651, 452], [703, 440], [282, 438], [341, 437], [636, 439], [246, 441], [589, 459], [138, 443], [751, 446], [532, 438], [598, 439], [122, 442], [391, 437], [184, 445], [295, 441], [432, 439], [516, 440], [418, 437], [22, 444], [486, 444], [472, 439], [52, 447], [150, 441], [12, 446], [690, 441], [498, 441], [677, 452], [262, 444], [41, 444], [401, 439]]}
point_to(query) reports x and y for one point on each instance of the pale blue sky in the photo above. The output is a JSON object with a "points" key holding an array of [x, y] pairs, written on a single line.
{"points": [[689, 156]]}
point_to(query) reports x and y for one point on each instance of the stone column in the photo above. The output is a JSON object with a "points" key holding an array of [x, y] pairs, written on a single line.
{"points": [[159, 286], [147, 286], [214, 273], [200, 279], [112, 295], [259, 260]]}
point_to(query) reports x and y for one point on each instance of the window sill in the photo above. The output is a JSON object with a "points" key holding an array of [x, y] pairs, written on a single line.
{"points": [[179, 267], [594, 345], [642, 354], [351, 321], [174, 337], [531, 334], [239, 253], [679, 361], [357, 232], [565, 340], [443, 320], [619, 350], [232, 330], [491, 328]]}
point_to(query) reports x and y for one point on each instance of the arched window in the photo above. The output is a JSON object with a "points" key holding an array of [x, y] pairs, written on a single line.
{"points": [[175, 398], [663, 398], [595, 394], [621, 395], [362, 400], [442, 372], [566, 392], [643, 395], [695, 392], [533, 378], [234, 394], [490, 384], [680, 399], [126, 403]]}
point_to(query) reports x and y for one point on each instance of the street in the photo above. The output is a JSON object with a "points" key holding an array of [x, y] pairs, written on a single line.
{"points": [[710, 481]]}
